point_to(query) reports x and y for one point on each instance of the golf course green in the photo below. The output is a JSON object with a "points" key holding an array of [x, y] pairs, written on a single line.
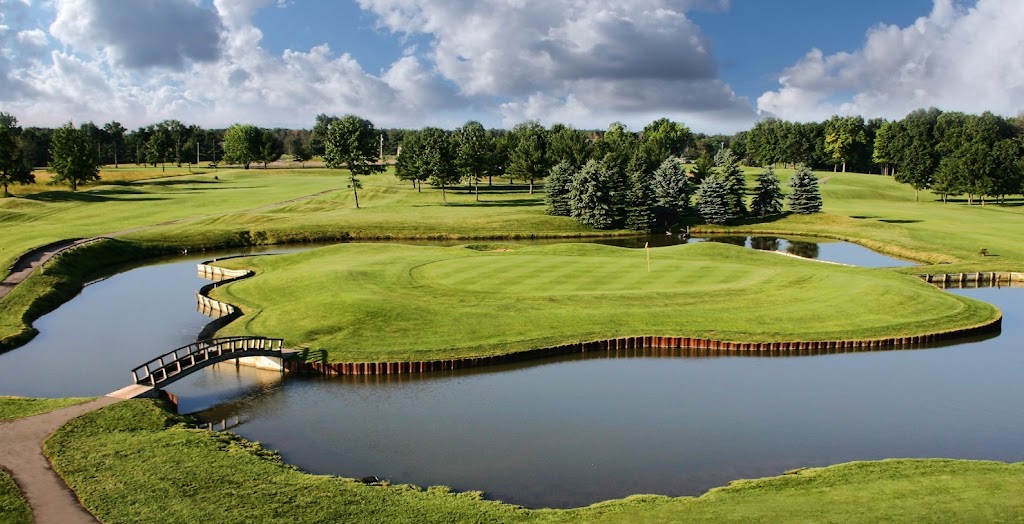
{"points": [[374, 302]]}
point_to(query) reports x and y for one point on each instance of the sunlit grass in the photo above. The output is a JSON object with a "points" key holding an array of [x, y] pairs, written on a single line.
{"points": [[132, 462], [372, 302]]}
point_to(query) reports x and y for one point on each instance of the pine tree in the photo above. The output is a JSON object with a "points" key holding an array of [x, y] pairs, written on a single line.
{"points": [[641, 201], [590, 196], [735, 185], [557, 186], [806, 197], [713, 201], [672, 189], [767, 195]]}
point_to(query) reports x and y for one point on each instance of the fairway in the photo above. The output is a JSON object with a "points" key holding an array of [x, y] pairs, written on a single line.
{"points": [[371, 302]]}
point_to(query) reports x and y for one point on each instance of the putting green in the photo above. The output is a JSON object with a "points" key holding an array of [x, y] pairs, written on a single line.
{"points": [[373, 302]]}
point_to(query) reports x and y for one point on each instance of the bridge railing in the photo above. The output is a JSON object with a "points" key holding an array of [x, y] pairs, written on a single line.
{"points": [[161, 368]]}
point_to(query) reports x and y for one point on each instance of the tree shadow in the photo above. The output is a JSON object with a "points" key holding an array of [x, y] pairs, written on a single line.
{"points": [[90, 196], [499, 203], [897, 221]]}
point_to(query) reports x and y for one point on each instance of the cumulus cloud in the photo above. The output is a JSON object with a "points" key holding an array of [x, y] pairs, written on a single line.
{"points": [[573, 58], [500, 61], [956, 58], [32, 37], [140, 33]]}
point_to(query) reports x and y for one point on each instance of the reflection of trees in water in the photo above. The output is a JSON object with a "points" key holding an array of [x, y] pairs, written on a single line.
{"points": [[736, 241], [802, 249], [765, 243]]}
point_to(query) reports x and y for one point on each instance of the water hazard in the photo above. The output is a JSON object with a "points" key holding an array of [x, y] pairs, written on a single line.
{"points": [[564, 432]]}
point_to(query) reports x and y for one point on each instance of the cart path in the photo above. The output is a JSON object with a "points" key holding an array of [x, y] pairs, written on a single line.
{"points": [[21, 455], [28, 262]]}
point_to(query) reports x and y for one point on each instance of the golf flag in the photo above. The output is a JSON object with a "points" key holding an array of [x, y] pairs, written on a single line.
{"points": [[647, 249]]}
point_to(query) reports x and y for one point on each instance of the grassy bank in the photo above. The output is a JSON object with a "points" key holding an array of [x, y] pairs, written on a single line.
{"points": [[13, 507], [133, 462], [373, 302], [21, 407], [60, 280]]}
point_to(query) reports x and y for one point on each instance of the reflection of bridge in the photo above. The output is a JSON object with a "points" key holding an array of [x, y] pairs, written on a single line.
{"points": [[170, 367]]}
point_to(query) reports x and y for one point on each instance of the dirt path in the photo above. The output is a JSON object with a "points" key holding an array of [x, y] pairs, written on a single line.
{"points": [[21, 454]]}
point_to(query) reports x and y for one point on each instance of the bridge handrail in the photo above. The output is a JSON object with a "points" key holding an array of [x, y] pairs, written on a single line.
{"points": [[145, 371]]}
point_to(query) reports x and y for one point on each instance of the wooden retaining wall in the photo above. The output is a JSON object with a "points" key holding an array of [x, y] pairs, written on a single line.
{"points": [[978, 279], [212, 307], [649, 346]]}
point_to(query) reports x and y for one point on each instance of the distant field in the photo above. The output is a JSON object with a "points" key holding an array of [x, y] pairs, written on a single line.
{"points": [[373, 302]]}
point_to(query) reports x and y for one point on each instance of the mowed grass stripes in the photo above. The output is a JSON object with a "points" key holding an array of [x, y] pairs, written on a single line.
{"points": [[373, 302]]}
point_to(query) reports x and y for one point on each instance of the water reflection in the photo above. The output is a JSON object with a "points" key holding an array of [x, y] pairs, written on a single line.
{"points": [[583, 428]]}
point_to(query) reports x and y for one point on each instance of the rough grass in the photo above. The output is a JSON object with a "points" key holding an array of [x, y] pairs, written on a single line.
{"points": [[13, 507], [133, 462], [372, 302], [20, 407]]}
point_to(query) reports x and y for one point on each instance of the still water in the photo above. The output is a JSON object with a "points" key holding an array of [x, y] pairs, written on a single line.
{"points": [[563, 432]]}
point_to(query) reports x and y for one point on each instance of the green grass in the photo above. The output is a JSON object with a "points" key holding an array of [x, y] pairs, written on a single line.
{"points": [[133, 462], [20, 407], [13, 507], [882, 214], [373, 302]]}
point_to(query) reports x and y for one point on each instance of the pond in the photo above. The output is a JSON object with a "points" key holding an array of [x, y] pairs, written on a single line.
{"points": [[562, 432]]}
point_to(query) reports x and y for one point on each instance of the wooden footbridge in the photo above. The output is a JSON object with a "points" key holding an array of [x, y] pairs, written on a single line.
{"points": [[150, 377]]}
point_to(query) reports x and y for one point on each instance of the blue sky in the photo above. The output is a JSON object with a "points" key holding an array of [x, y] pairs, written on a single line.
{"points": [[716, 65]]}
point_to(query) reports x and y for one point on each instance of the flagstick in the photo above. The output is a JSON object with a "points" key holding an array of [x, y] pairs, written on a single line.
{"points": [[647, 249]]}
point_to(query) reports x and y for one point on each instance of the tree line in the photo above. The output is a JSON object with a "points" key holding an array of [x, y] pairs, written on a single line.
{"points": [[980, 156]]}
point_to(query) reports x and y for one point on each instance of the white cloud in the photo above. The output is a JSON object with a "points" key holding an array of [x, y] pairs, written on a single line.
{"points": [[572, 58], [32, 37], [499, 61], [956, 58]]}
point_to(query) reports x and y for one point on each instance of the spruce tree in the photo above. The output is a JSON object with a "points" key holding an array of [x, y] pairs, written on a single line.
{"points": [[713, 201], [557, 186], [735, 185], [590, 196], [767, 195], [806, 197], [672, 188], [640, 201]]}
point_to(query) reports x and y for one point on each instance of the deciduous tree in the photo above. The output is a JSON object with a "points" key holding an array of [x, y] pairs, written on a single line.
{"points": [[353, 142], [14, 166], [73, 154], [243, 144]]}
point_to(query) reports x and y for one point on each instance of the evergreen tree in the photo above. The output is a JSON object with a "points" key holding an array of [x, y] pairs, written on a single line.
{"points": [[672, 191], [735, 184], [767, 195], [640, 201], [590, 196], [713, 201], [806, 197], [558, 185]]}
